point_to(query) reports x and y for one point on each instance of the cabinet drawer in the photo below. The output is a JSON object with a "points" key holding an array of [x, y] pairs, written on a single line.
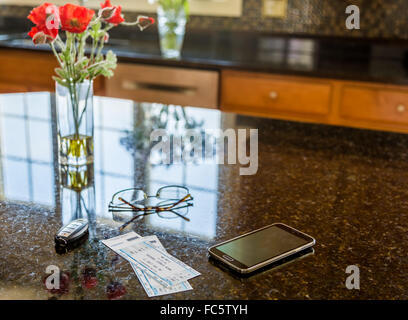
{"points": [[263, 93], [27, 68], [10, 87], [23, 71], [164, 85], [374, 104]]}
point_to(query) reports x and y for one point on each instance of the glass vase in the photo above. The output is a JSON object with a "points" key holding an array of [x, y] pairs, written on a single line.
{"points": [[75, 124], [172, 27]]}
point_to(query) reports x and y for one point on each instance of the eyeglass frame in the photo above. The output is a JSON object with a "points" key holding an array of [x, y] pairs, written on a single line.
{"points": [[133, 208]]}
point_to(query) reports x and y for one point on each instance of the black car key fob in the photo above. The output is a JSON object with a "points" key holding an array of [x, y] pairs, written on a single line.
{"points": [[72, 232]]}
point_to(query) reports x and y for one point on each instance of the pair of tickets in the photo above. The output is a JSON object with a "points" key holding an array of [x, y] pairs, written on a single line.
{"points": [[159, 272]]}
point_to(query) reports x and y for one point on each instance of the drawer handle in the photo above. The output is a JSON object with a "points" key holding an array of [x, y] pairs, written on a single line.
{"points": [[132, 85], [401, 108], [273, 95]]}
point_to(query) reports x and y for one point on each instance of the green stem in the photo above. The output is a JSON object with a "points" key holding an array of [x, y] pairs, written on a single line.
{"points": [[56, 55], [82, 41], [60, 43], [93, 51], [74, 104], [74, 49], [86, 101], [70, 58], [95, 64], [102, 39]]}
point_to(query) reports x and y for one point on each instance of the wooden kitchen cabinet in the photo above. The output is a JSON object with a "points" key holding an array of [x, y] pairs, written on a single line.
{"points": [[300, 98], [169, 85], [347, 103], [25, 70], [10, 87], [374, 106], [278, 96]]}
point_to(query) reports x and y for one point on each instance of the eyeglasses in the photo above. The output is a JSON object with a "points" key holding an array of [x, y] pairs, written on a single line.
{"points": [[179, 212], [172, 199]]}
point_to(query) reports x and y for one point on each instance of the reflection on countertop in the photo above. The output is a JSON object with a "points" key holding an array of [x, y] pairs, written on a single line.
{"points": [[346, 187], [122, 128]]}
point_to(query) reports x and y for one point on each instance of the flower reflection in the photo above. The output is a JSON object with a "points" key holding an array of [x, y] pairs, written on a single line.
{"points": [[64, 283], [89, 278], [115, 290], [179, 126]]}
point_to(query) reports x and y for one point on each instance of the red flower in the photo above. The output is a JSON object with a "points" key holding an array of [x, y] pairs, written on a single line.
{"points": [[75, 18], [115, 290], [144, 22], [45, 15], [41, 35], [89, 279], [63, 284], [113, 16]]}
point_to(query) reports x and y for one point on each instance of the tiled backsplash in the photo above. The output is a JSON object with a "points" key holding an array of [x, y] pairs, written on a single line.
{"points": [[379, 18]]}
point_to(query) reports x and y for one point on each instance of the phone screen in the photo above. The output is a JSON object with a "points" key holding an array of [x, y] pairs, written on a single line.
{"points": [[262, 245]]}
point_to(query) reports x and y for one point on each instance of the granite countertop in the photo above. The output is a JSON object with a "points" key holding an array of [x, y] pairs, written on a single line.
{"points": [[348, 188], [338, 58]]}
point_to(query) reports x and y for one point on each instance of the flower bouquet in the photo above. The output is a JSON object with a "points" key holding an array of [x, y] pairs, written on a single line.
{"points": [[77, 35]]}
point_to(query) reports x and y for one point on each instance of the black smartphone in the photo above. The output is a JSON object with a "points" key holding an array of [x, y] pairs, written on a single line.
{"points": [[261, 247]]}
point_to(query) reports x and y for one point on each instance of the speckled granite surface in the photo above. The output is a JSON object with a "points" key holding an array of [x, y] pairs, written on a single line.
{"points": [[348, 188]]}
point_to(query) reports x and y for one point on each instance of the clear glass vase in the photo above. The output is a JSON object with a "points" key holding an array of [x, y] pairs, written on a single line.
{"points": [[172, 27], [75, 124]]}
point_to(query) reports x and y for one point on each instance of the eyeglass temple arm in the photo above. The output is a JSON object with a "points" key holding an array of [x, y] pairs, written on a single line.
{"points": [[180, 215], [131, 220], [123, 226], [129, 204], [175, 204], [138, 209]]}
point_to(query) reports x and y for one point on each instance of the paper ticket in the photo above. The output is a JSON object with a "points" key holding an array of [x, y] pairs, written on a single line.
{"points": [[124, 241], [152, 286], [165, 268]]}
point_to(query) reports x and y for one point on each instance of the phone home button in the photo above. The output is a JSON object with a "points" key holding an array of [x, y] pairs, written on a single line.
{"points": [[227, 257]]}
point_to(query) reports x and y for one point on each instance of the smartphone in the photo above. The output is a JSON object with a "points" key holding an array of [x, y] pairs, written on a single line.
{"points": [[261, 247]]}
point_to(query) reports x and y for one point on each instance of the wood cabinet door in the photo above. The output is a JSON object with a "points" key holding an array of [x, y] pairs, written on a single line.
{"points": [[27, 70], [374, 104], [274, 95], [169, 85]]}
